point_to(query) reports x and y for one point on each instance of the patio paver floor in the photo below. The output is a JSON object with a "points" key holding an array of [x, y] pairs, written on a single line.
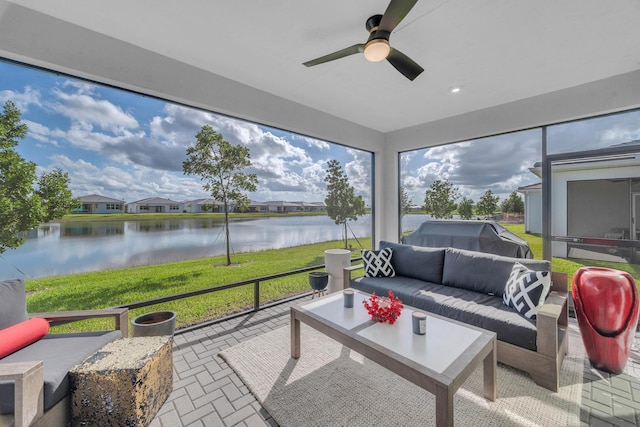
{"points": [[207, 393]]}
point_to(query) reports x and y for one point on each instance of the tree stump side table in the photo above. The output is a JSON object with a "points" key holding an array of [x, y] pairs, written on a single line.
{"points": [[123, 384]]}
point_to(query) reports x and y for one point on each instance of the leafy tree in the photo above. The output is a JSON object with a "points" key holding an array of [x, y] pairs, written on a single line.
{"points": [[53, 189], [440, 199], [465, 208], [22, 205], [488, 204], [342, 203], [405, 203], [513, 204], [221, 166]]}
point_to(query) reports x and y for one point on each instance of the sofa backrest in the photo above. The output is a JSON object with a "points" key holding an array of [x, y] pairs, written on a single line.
{"points": [[481, 272], [416, 262], [13, 303]]}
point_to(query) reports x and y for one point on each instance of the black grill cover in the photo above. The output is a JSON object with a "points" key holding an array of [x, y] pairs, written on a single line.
{"points": [[482, 236]]}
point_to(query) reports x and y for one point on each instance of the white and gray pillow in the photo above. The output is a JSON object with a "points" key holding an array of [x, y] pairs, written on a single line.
{"points": [[378, 263], [526, 290]]}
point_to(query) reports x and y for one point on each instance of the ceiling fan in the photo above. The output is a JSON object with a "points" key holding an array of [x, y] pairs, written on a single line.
{"points": [[377, 46]]}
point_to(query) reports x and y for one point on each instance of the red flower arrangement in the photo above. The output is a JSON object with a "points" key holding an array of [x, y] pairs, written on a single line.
{"points": [[386, 309]]}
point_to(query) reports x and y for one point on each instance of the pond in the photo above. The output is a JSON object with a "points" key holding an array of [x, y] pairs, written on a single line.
{"points": [[75, 247]]}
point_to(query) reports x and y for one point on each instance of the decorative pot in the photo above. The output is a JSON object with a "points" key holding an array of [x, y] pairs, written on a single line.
{"points": [[153, 324], [335, 261], [318, 281], [606, 305]]}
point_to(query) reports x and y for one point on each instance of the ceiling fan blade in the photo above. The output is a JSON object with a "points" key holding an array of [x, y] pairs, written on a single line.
{"points": [[404, 64], [356, 48], [396, 11]]}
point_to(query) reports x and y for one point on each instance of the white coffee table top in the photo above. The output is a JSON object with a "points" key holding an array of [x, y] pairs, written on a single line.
{"points": [[443, 343], [331, 308]]}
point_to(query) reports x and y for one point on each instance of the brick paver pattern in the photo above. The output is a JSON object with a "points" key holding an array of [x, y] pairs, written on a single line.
{"points": [[207, 393]]}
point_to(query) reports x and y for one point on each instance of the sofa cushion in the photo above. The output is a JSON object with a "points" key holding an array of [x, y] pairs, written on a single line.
{"points": [[378, 263], [481, 310], [526, 290], [13, 302], [21, 335], [416, 262], [480, 272], [405, 288], [60, 352]]}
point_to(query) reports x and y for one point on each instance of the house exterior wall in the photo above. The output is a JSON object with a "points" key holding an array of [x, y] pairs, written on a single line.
{"points": [[533, 212], [101, 208], [559, 197]]}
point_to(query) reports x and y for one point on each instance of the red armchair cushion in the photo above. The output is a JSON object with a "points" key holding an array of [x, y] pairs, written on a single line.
{"points": [[21, 335]]}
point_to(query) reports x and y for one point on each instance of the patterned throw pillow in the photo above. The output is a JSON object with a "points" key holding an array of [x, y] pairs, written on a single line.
{"points": [[378, 263], [526, 290]]}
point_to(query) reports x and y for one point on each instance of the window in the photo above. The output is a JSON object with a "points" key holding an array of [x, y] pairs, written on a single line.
{"points": [[501, 164]]}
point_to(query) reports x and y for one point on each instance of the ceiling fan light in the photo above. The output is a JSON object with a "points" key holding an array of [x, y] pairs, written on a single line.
{"points": [[376, 50]]}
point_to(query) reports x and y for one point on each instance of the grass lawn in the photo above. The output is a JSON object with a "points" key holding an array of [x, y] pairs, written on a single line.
{"points": [[569, 266], [118, 287], [110, 288]]}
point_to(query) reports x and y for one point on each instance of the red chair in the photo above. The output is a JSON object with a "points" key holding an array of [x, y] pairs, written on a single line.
{"points": [[606, 304]]}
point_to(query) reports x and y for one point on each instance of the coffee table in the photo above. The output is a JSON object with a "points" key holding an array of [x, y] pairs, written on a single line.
{"points": [[439, 361]]}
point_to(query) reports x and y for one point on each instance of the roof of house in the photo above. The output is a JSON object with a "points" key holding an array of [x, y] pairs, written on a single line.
{"points": [[532, 187], [155, 201], [96, 198]]}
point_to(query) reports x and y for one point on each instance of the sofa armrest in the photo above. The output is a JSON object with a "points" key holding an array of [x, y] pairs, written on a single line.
{"points": [[121, 316], [346, 274], [551, 317], [27, 391]]}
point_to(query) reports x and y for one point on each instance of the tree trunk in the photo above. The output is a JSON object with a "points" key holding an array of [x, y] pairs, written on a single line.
{"points": [[226, 233], [345, 236]]}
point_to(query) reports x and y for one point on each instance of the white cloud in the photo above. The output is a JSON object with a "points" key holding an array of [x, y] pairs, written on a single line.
{"points": [[22, 100], [107, 151], [81, 87], [130, 184], [498, 163], [40, 133], [312, 142], [86, 111], [359, 172]]}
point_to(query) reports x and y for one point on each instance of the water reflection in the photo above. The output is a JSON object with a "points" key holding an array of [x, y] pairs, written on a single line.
{"points": [[57, 249], [91, 229]]}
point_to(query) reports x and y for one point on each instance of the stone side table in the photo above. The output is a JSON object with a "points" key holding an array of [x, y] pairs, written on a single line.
{"points": [[123, 384]]}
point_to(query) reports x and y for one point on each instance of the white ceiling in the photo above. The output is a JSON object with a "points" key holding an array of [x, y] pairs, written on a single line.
{"points": [[499, 50]]}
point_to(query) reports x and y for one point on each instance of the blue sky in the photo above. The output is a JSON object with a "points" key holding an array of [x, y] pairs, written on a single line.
{"points": [[130, 147], [501, 163]]}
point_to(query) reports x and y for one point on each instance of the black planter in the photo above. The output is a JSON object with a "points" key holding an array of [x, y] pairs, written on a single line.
{"points": [[318, 282], [153, 324]]}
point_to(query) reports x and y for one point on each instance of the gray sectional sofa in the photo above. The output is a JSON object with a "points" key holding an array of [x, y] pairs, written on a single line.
{"points": [[58, 351], [468, 286]]}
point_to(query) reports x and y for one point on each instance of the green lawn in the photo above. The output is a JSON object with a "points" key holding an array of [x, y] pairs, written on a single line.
{"points": [[124, 286], [569, 266], [117, 287]]}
